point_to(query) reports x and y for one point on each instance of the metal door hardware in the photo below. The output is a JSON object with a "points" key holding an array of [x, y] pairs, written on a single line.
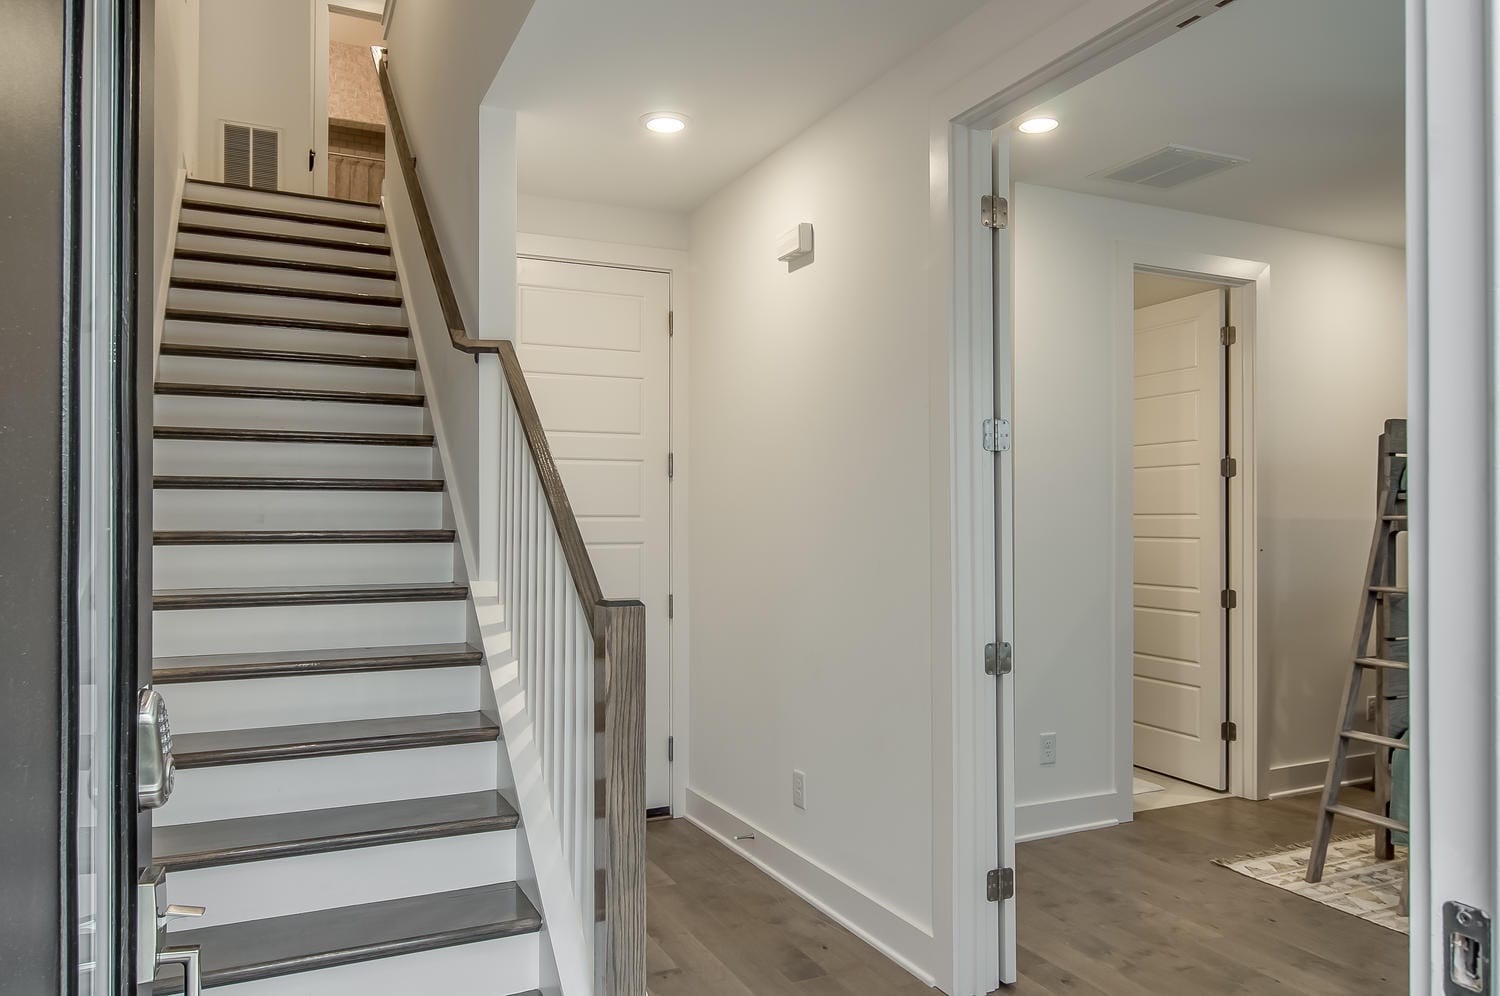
{"points": [[156, 771]]}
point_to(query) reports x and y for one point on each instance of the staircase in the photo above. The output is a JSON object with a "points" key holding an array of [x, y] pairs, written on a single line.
{"points": [[338, 806]]}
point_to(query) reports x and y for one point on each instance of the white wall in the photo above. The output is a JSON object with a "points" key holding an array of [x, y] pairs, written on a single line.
{"points": [[601, 222], [175, 121], [1329, 369], [257, 67]]}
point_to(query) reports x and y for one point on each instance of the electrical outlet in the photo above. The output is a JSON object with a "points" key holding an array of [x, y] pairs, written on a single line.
{"points": [[799, 789], [1370, 708], [1049, 748]]}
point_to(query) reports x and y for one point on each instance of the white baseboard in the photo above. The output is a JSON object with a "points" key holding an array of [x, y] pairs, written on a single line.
{"points": [[908, 944], [1308, 776], [164, 270], [1056, 817]]}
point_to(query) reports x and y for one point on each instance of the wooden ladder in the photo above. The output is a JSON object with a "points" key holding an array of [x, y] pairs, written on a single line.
{"points": [[1380, 646]]}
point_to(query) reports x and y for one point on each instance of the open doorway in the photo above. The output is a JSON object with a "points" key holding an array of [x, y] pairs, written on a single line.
{"points": [[1209, 326]]}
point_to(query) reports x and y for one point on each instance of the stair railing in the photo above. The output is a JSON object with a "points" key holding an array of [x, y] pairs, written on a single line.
{"points": [[580, 656]]}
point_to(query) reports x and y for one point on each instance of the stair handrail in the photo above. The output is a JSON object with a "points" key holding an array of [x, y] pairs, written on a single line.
{"points": [[616, 625]]}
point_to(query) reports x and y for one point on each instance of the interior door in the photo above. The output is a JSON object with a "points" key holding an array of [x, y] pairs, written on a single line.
{"points": [[1178, 529], [594, 343]]}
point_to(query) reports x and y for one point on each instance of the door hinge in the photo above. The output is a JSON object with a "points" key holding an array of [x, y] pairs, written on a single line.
{"points": [[671, 465], [996, 435], [671, 749], [1229, 732], [312, 158], [998, 659], [1228, 467], [1000, 884], [671, 324], [671, 605], [994, 211], [1229, 599], [1228, 335]]}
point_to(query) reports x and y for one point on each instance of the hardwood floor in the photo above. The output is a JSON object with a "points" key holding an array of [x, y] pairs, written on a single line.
{"points": [[1137, 910]]}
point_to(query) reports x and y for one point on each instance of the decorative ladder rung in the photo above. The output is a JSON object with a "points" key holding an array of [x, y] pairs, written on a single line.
{"points": [[1376, 739], [1383, 663], [1375, 819]]}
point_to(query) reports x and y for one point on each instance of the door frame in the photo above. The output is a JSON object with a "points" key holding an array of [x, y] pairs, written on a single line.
{"points": [[673, 263], [1249, 284]]}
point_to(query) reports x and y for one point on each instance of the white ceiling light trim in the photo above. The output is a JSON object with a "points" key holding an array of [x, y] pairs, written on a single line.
{"points": [[1038, 125], [664, 122]]}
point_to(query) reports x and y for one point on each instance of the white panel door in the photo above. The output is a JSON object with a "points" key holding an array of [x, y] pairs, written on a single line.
{"points": [[593, 341], [1179, 540]]}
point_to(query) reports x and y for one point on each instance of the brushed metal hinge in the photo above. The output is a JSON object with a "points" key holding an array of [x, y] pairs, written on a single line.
{"points": [[671, 749], [1228, 335], [671, 324], [998, 659], [994, 211], [671, 605], [671, 465], [1229, 599], [1228, 467], [1000, 884], [1229, 732], [996, 435]]}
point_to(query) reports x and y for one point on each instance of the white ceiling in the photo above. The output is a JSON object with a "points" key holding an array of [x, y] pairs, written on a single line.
{"points": [[750, 76], [1310, 91]]}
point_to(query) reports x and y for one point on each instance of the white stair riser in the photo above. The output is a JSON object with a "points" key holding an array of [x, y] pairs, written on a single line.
{"points": [[274, 459], [286, 373], [283, 277], [185, 509], [236, 790], [248, 197], [267, 413], [250, 223], [186, 632], [260, 889], [280, 337], [207, 706], [284, 250], [488, 968], [291, 307], [267, 565]]}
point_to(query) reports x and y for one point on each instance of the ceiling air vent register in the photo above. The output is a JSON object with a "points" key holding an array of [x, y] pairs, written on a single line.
{"points": [[1171, 166]]}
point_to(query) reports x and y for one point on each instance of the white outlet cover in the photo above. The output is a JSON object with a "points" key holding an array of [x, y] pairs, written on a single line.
{"points": [[799, 789]]}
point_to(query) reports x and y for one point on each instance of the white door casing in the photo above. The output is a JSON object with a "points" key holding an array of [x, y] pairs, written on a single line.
{"points": [[594, 344], [1178, 540]]}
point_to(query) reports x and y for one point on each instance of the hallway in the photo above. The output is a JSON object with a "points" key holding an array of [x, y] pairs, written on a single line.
{"points": [[1137, 910]]}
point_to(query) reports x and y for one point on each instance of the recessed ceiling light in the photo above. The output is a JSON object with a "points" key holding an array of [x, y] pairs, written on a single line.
{"points": [[1038, 126], [664, 122]]}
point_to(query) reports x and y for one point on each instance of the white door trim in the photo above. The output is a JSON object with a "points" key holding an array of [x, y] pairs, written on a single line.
{"points": [[674, 263], [1250, 282]]}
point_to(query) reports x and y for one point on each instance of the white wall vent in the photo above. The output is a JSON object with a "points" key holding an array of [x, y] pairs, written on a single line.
{"points": [[252, 156], [1171, 166]]}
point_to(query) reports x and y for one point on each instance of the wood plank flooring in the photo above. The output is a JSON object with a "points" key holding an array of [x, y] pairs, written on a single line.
{"points": [[1137, 910]]}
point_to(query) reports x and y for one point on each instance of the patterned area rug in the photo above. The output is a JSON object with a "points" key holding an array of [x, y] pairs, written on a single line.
{"points": [[1353, 879]]}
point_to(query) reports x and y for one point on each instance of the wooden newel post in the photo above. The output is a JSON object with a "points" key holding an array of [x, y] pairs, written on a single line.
{"points": [[620, 644]]}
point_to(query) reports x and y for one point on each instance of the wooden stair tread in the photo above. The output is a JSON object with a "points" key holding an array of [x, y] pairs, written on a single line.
{"points": [[229, 667], [1364, 817], [259, 838], [183, 482], [247, 537], [282, 263], [356, 736], [285, 322], [253, 211], [287, 238], [304, 942], [286, 356], [291, 436], [278, 193], [1382, 662], [279, 290], [181, 390], [320, 594]]}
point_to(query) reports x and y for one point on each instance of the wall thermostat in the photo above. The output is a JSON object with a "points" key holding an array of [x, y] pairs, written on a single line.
{"points": [[795, 242]]}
